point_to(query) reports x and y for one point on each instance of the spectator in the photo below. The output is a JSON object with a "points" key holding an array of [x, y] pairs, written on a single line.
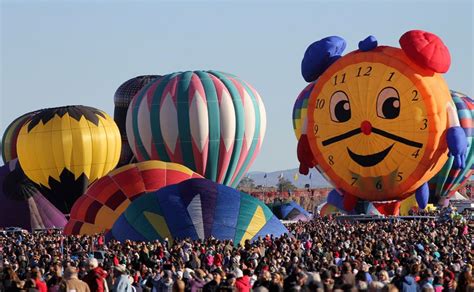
{"points": [[96, 277], [71, 283], [121, 281]]}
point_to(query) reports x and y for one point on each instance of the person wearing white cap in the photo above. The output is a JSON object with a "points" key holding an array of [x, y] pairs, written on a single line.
{"points": [[243, 282], [121, 284]]}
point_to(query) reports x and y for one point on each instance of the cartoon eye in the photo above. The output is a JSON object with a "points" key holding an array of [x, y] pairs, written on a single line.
{"points": [[388, 103], [339, 107]]}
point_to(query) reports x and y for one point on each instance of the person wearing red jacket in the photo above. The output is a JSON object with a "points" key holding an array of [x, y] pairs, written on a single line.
{"points": [[40, 284], [243, 282], [96, 276]]}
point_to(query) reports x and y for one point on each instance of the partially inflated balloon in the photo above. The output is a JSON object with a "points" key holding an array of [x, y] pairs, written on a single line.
{"points": [[64, 149], [106, 199], [10, 136], [300, 109], [122, 98], [22, 205], [197, 209], [209, 121], [450, 179]]}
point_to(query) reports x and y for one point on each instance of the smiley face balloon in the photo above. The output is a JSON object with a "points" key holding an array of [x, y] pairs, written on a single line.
{"points": [[380, 118]]}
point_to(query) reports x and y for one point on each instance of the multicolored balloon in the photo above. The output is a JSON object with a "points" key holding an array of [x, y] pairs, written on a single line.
{"points": [[300, 110], [289, 210], [64, 149], [11, 135], [197, 209], [381, 119], [106, 199], [22, 205], [122, 98], [209, 121], [449, 179]]}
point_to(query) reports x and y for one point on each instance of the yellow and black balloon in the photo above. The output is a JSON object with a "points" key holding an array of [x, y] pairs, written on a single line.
{"points": [[65, 149]]}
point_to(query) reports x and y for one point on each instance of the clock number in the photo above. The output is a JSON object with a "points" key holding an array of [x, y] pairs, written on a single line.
{"points": [[399, 176], [342, 81], [391, 75], [367, 73], [354, 180], [320, 103], [315, 129], [415, 95], [425, 124], [378, 185], [331, 160], [416, 153]]}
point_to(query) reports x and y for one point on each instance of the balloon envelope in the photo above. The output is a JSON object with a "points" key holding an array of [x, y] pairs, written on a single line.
{"points": [[289, 211], [64, 149], [106, 199], [197, 209], [300, 111], [209, 121], [448, 180], [10, 136], [122, 98], [22, 205]]}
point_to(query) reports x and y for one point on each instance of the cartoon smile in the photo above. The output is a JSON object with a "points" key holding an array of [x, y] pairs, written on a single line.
{"points": [[371, 159]]}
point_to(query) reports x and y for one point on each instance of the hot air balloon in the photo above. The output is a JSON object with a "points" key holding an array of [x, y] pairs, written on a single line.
{"points": [[22, 205], [450, 179], [122, 98], [209, 121], [64, 149], [10, 136], [300, 110], [289, 210], [106, 199], [197, 209], [381, 120]]}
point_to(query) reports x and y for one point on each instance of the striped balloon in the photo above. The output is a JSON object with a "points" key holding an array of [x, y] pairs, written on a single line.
{"points": [[449, 180], [197, 209], [300, 110], [10, 136], [106, 199], [209, 121]]}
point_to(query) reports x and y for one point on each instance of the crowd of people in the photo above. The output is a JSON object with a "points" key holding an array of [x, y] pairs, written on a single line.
{"points": [[324, 254]]}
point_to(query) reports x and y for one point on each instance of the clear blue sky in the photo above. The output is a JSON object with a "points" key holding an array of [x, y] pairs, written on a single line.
{"points": [[55, 53]]}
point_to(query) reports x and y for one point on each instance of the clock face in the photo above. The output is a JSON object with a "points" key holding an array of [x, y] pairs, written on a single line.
{"points": [[371, 126]]}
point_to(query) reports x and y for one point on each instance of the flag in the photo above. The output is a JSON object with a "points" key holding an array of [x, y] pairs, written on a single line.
{"points": [[295, 177], [280, 176], [310, 175], [265, 176]]}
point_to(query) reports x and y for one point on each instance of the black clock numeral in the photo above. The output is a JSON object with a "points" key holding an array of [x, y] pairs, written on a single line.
{"points": [[415, 95], [400, 175], [354, 180], [315, 129], [416, 153], [367, 72], [331, 160], [320, 103], [378, 185], [343, 79], [425, 124], [391, 75]]}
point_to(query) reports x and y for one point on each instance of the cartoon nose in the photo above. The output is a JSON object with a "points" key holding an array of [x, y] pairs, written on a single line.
{"points": [[366, 127]]}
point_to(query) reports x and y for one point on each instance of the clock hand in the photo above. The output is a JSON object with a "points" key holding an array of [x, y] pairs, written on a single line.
{"points": [[341, 137], [397, 138]]}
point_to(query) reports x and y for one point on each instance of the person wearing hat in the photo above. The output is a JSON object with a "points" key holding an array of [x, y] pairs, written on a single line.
{"points": [[242, 282], [71, 282], [96, 276], [121, 282], [197, 281]]}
